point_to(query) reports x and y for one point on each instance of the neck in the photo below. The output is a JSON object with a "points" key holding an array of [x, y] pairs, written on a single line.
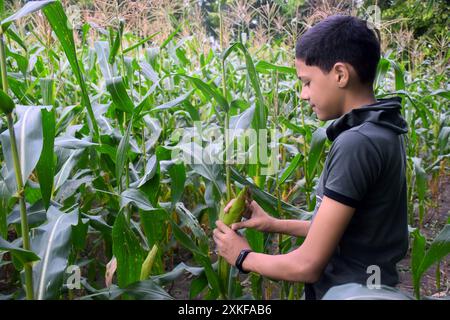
{"points": [[364, 96]]}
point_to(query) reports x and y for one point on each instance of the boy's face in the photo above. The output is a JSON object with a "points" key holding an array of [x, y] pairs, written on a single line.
{"points": [[320, 90]]}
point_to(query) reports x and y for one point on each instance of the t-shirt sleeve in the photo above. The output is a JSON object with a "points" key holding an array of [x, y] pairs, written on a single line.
{"points": [[353, 165]]}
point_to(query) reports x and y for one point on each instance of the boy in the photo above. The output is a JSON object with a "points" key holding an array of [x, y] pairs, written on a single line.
{"points": [[360, 219]]}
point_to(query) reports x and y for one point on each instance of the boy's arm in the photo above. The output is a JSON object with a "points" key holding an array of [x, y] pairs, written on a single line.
{"points": [[296, 228], [260, 220], [305, 264]]}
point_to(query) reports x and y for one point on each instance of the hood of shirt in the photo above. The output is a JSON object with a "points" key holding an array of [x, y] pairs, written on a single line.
{"points": [[385, 112]]}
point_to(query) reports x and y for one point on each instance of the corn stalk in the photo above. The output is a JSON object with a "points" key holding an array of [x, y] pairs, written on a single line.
{"points": [[18, 173]]}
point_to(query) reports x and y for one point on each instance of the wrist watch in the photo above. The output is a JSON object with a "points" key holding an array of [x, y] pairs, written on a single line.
{"points": [[240, 260]]}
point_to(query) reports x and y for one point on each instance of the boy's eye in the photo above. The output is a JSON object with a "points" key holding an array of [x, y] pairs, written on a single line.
{"points": [[307, 83]]}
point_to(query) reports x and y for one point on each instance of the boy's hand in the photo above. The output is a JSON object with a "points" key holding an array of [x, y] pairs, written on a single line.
{"points": [[228, 243], [258, 219]]}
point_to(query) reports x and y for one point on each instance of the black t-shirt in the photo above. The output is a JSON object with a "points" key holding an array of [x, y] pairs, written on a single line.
{"points": [[365, 169]]}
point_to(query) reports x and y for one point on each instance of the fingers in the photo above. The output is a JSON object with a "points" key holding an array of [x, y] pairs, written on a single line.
{"points": [[228, 206], [249, 208], [222, 227], [237, 226], [217, 235], [253, 205], [217, 239], [243, 224]]}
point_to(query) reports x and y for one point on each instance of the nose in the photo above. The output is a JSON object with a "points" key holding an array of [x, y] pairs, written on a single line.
{"points": [[304, 95]]}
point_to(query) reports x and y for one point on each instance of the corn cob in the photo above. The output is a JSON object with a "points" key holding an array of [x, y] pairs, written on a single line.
{"points": [[233, 215], [148, 263]]}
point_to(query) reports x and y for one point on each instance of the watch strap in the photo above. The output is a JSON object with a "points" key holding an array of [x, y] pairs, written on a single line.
{"points": [[240, 260]]}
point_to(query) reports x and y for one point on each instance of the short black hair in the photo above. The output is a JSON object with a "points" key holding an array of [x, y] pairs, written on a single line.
{"points": [[341, 38]]}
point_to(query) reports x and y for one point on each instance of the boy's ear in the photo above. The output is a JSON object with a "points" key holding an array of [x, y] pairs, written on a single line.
{"points": [[341, 74]]}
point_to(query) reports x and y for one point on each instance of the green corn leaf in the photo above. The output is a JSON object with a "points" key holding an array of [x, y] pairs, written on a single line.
{"points": [[22, 62], [148, 72], [170, 37], [22, 255], [46, 166], [138, 198], [150, 171], [117, 42], [99, 224], [293, 127], [79, 232], [173, 103], [128, 252], [119, 95], [185, 240], [140, 290], [239, 123], [191, 222], [69, 142], [266, 67], [439, 249], [197, 286], [154, 224], [108, 70], [67, 167], [60, 26], [177, 174], [122, 154], [114, 84], [417, 254], [209, 92], [204, 260], [51, 242], [12, 34], [443, 139], [29, 136], [140, 43], [147, 290], [260, 118], [382, 69], [177, 272], [422, 259], [442, 93], [36, 214], [255, 239], [48, 91], [291, 168], [28, 8], [399, 74], [319, 138]]}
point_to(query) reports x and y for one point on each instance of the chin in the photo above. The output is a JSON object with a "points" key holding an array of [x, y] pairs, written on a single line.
{"points": [[326, 117]]}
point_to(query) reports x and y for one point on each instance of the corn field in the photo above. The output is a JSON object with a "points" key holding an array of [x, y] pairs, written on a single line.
{"points": [[97, 199]]}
